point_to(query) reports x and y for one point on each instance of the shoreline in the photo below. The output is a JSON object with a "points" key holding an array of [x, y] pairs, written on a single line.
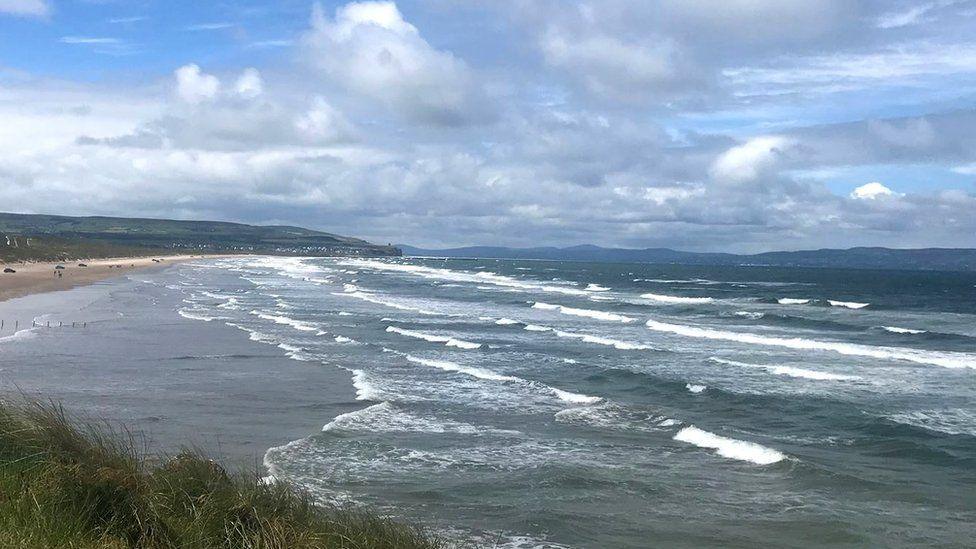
{"points": [[42, 277]]}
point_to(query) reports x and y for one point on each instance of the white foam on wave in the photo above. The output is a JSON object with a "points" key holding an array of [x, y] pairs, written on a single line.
{"points": [[344, 339], [944, 359], [847, 304], [484, 277], [286, 321], [446, 340], [750, 315], [616, 343], [506, 321], [386, 417], [596, 288], [447, 366], [19, 335], [897, 330], [788, 370], [364, 390], [661, 298], [695, 388], [792, 301], [371, 297], [536, 328], [729, 447], [952, 421], [575, 398], [585, 313], [195, 315]]}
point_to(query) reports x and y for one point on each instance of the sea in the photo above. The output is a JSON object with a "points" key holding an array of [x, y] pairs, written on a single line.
{"points": [[546, 404]]}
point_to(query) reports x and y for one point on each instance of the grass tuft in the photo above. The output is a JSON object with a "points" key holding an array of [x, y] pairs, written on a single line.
{"points": [[70, 484]]}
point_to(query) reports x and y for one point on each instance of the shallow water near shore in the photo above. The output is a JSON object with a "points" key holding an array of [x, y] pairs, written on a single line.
{"points": [[550, 404]]}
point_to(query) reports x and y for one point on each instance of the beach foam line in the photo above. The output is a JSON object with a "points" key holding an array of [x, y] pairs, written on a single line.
{"points": [[935, 358], [286, 321], [447, 366], [729, 447], [673, 299], [787, 370], [446, 340], [847, 304], [897, 330], [792, 301], [585, 313]]}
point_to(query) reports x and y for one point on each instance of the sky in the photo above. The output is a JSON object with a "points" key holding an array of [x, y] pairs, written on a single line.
{"points": [[733, 125]]}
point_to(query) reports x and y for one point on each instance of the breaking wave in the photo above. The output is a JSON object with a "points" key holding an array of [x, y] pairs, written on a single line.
{"points": [[729, 447]]}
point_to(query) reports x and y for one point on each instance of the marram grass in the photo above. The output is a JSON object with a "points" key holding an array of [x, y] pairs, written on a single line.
{"points": [[67, 484]]}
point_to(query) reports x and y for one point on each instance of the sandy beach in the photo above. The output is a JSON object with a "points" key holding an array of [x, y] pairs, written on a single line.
{"points": [[32, 278]]}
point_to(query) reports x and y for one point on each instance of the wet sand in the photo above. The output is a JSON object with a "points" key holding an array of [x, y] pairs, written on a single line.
{"points": [[32, 278]]}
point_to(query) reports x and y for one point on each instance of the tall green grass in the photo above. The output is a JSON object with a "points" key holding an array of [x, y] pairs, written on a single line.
{"points": [[65, 483]]}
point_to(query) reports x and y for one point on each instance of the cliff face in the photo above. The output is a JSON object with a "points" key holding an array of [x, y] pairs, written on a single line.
{"points": [[25, 236]]}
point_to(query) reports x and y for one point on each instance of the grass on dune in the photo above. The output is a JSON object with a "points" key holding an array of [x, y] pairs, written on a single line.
{"points": [[75, 485]]}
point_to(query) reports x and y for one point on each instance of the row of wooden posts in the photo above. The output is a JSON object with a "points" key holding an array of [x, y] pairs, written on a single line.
{"points": [[34, 324]]}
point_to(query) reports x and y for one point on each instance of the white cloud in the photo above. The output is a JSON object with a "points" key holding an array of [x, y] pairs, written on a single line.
{"points": [[370, 49], [871, 191], [195, 86], [249, 85], [904, 18], [34, 8], [748, 161]]}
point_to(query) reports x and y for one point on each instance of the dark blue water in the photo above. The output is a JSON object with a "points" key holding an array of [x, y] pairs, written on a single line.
{"points": [[549, 404]]}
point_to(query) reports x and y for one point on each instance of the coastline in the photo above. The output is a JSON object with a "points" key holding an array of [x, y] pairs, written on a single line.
{"points": [[41, 277]]}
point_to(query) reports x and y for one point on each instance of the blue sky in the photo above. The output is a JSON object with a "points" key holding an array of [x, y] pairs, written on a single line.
{"points": [[743, 125]]}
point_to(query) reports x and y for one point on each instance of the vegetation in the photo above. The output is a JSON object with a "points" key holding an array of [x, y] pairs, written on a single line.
{"points": [[87, 237], [87, 487]]}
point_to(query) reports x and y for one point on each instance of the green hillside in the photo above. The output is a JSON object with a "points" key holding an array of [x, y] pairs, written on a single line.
{"points": [[37, 237]]}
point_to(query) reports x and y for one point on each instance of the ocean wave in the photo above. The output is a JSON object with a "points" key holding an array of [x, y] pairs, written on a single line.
{"points": [[750, 314], [729, 447], [447, 366], [596, 288], [695, 388], [951, 421], [196, 314], [485, 277], [19, 335], [446, 340], [388, 418], [788, 370], [344, 339], [847, 304], [792, 301], [897, 330], [660, 298], [935, 358], [364, 390], [575, 398], [286, 321], [536, 328], [586, 338], [506, 321], [586, 313], [354, 292]]}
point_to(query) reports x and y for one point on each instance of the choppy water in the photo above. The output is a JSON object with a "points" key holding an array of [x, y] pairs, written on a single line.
{"points": [[550, 404]]}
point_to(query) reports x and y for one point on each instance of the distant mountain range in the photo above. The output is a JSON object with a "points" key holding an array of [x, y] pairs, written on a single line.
{"points": [[929, 259], [55, 237]]}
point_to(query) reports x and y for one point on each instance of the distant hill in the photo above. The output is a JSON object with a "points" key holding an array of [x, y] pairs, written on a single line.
{"points": [[934, 259], [35, 237]]}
